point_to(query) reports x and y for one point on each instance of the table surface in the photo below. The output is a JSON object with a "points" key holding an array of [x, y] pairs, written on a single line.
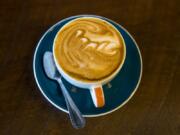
{"points": [[153, 110]]}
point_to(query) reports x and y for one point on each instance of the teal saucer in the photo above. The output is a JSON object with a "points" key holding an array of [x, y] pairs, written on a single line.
{"points": [[117, 92]]}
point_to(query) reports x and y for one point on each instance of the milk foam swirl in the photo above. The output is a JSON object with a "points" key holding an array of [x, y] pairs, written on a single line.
{"points": [[88, 49]]}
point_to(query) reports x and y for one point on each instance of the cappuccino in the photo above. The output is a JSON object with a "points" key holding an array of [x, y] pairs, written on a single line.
{"points": [[89, 49]]}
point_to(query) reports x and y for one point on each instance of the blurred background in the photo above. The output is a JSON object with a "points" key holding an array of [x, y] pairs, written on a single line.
{"points": [[154, 109]]}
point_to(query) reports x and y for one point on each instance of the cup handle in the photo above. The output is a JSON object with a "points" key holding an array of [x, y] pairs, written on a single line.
{"points": [[97, 95]]}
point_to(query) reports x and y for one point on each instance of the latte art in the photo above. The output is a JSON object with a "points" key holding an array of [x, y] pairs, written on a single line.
{"points": [[88, 49]]}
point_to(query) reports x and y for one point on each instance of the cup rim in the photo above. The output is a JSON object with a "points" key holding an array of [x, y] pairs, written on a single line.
{"points": [[102, 81]]}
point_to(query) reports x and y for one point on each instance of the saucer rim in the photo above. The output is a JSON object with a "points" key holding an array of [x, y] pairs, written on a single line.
{"points": [[84, 15]]}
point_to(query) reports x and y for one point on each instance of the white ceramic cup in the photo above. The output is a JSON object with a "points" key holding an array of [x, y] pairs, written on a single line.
{"points": [[96, 89]]}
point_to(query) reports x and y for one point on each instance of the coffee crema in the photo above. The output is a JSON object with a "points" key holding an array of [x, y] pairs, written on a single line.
{"points": [[88, 49]]}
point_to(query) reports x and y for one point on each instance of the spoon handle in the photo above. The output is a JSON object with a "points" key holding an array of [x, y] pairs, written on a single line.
{"points": [[75, 115]]}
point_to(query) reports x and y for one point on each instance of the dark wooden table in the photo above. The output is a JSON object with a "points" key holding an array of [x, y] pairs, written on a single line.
{"points": [[155, 108]]}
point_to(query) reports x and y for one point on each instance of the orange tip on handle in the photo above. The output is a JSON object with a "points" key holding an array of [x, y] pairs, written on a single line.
{"points": [[97, 95]]}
